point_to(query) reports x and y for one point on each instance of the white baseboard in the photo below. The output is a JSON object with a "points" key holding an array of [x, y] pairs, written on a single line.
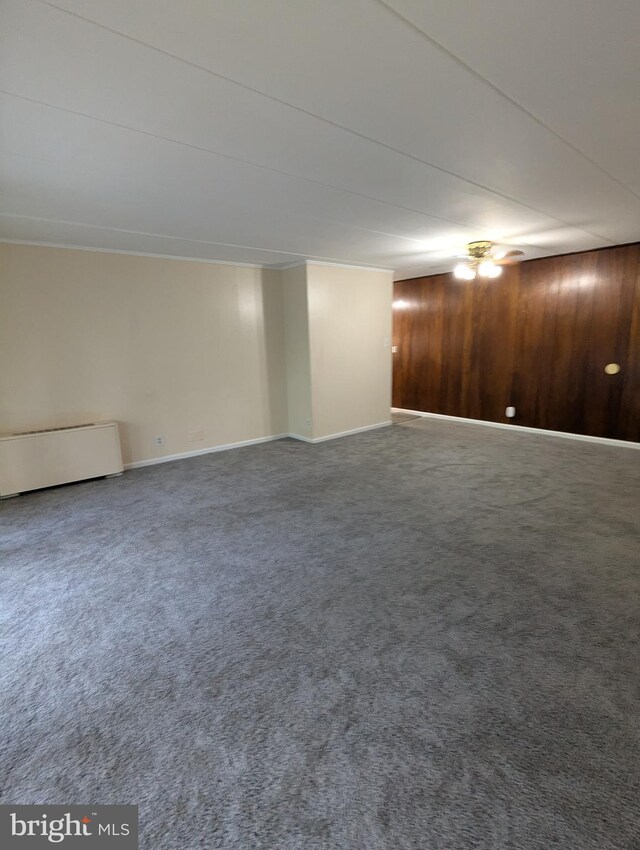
{"points": [[183, 455], [522, 428], [341, 433], [603, 441], [211, 449]]}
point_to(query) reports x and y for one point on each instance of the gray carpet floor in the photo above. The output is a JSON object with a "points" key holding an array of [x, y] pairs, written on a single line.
{"points": [[424, 636]]}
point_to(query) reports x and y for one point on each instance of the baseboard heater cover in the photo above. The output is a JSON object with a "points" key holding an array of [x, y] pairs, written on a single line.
{"points": [[30, 460]]}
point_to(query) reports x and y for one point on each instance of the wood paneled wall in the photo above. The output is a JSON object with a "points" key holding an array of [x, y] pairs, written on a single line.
{"points": [[537, 338]]}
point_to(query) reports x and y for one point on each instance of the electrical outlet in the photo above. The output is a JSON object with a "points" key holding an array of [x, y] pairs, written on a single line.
{"points": [[159, 440], [308, 423]]}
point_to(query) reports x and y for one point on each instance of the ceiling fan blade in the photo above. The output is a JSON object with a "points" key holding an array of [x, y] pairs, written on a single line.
{"points": [[509, 258]]}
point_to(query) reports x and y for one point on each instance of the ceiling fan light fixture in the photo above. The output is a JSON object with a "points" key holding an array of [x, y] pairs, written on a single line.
{"points": [[484, 260], [464, 272]]}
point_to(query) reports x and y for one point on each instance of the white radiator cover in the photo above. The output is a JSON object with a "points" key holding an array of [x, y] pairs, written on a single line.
{"points": [[31, 460]]}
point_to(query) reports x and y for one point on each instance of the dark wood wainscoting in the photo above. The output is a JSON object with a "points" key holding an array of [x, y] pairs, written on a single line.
{"points": [[537, 338]]}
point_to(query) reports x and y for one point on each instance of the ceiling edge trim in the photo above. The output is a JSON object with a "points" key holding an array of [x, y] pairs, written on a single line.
{"points": [[270, 266], [332, 265], [7, 241]]}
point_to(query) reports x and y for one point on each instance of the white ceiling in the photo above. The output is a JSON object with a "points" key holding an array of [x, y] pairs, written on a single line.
{"points": [[372, 132]]}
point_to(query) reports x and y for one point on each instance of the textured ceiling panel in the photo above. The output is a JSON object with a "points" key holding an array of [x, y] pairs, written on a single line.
{"points": [[354, 131]]}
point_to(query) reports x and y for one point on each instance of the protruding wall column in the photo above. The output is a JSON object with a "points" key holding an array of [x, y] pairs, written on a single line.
{"points": [[338, 349]]}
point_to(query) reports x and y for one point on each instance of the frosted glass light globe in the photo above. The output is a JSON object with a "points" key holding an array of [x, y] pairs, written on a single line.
{"points": [[488, 268], [464, 272]]}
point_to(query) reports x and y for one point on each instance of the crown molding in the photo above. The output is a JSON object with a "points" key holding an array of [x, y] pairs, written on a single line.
{"points": [[71, 247], [330, 264], [266, 266]]}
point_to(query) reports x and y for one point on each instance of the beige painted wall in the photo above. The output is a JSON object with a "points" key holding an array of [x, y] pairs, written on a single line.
{"points": [[192, 351], [203, 354], [298, 355], [350, 345]]}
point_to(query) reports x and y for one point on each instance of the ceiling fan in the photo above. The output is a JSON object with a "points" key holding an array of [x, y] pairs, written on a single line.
{"points": [[485, 259]]}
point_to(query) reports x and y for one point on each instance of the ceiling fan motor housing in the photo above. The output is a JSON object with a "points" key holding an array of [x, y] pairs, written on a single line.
{"points": [[479, 250]]}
